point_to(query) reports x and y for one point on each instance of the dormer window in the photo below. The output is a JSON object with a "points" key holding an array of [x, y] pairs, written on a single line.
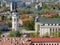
{"points": [[42, 24], [51, 24], [59, 24], [46, 24]]}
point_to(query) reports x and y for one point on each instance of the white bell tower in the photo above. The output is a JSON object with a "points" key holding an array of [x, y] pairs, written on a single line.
{"points": [[14, 21], [36, 24]]}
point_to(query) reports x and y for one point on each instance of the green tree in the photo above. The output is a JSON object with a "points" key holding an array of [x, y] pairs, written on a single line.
{"points": [[47, 35], [54, 34], [34, 35], [14, 34], [29, 24], [0, 32], [9, 24]]}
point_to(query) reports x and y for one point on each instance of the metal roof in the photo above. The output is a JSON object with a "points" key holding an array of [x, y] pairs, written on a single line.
{"points": [[49, 20]]}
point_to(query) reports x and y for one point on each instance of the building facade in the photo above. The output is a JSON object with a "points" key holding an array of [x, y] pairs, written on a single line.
{"points": [[14, 21], [48, 26]]}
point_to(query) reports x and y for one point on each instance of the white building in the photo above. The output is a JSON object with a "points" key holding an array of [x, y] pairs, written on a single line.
{"points": [[47, 26], [39, 5], [14, 21]]}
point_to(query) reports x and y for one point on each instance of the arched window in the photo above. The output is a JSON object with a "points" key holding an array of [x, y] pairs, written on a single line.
{"points": [[44, 44], [49, 44], [36, 44], [32, 44], [41, 44], [52, 43], [57, 44]]}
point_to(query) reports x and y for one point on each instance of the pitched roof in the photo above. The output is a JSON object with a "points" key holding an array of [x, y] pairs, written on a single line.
{"points": [[25, 19], [48, 15], [49, 20], [45, 40], [6, 43], [13, 41]]}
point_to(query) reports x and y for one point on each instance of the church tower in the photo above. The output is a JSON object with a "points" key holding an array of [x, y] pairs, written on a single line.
{"points": [[14, 21], [36, 24]]}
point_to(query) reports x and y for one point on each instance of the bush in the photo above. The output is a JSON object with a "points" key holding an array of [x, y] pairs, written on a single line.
{"points": [[34, 35], [14, 34], [0, 32], [10, 24]]}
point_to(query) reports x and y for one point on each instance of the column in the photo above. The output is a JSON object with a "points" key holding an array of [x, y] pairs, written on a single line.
{"points": [[57, 32], [34, 43]]}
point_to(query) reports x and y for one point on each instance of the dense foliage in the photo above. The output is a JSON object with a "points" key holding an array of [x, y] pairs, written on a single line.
{"points": [[29, 25], [0, 32], [14, 34], [34, 35]]}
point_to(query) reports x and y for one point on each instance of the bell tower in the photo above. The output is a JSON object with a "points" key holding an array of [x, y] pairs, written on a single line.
{"points": [[36, 23], [14, 21]]}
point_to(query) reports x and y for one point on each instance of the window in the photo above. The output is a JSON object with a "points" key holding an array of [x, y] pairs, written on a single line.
{"points": [[55, 24], [50, 31], [32, 44], [59, 24], [52, 44], [44, 44], [49, 44], [57, 44], [38, 27], [41, 44], [56, 30], [48, 24], [51, 24], [36, 44], [14, 19], [42, 24]]}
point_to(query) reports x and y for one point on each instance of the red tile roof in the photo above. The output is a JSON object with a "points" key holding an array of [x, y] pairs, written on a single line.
{"points": [[6, 43], [13, 41], [48, 15], [45, 39], [25, 19]]}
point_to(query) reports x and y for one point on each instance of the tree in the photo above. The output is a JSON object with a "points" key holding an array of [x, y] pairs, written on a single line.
{"points": [[29, 25], [47, 34], [9, 24], [54, 34], [34, 35], [0, 32], [14, 34], [58, 34]]}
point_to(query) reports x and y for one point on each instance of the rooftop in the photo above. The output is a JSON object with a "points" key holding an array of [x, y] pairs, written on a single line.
{"points": [[45, 39], [25, 19], [25, 41], [14, 41], [49, 20]]}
